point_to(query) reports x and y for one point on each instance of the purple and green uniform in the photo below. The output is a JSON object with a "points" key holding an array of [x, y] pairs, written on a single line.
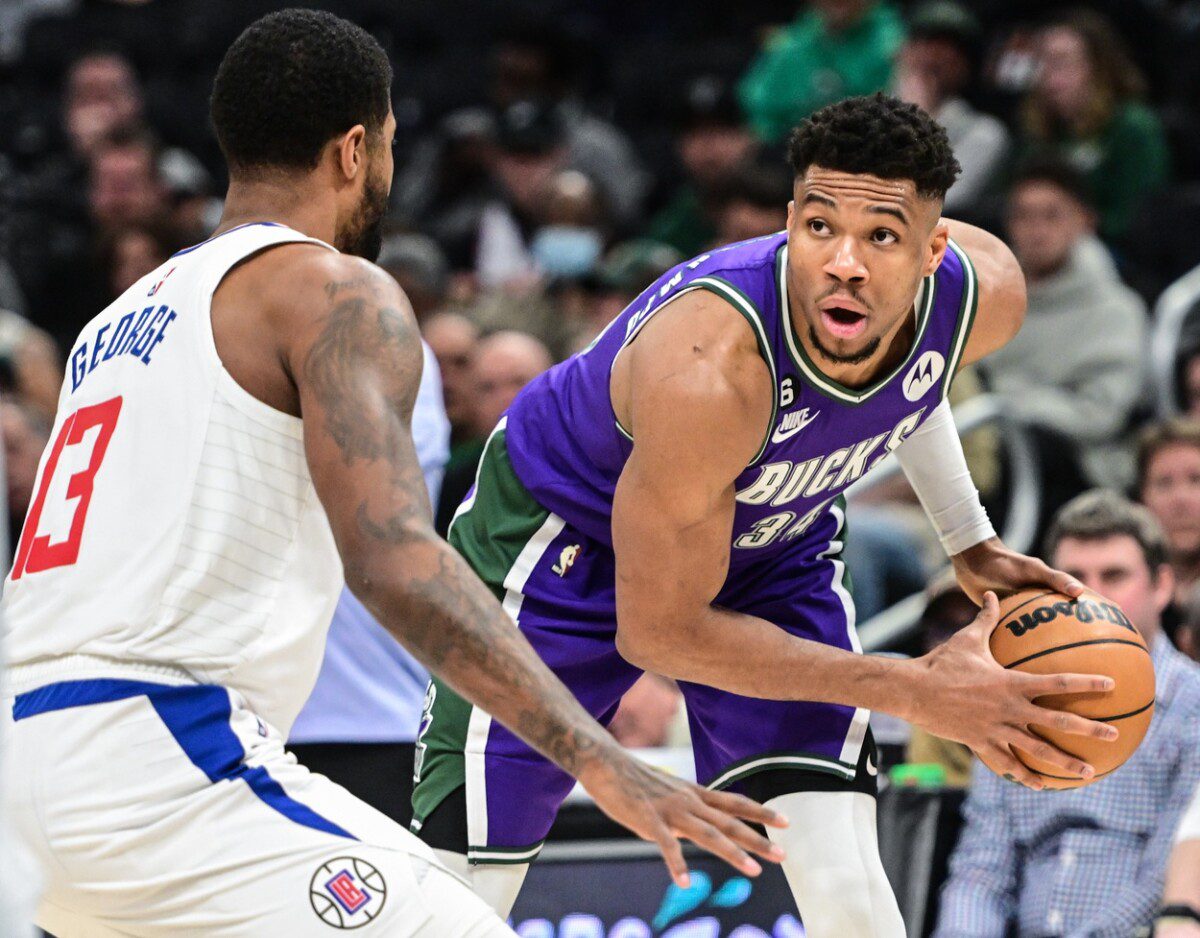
{"points": [[537, 527]]}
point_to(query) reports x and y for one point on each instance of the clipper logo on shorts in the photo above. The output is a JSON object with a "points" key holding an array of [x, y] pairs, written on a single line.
{"points": [[347, 892]]}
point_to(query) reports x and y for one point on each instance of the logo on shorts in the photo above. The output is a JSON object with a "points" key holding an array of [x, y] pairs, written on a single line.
{"points": [[347, 892], [567, 559]]}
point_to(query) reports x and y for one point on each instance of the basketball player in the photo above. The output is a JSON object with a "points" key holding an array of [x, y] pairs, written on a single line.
{"points": [[180, 563], [670, 499]]}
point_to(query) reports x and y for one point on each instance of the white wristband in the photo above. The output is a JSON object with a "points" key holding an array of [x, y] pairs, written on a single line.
{"points": [[932, 459]]}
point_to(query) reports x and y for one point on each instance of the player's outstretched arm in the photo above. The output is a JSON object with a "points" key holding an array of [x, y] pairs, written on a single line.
{"points": [[355, 357], [696, 397]]}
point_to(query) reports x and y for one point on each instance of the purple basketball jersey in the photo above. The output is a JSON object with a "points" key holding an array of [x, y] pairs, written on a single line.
{"points": [[568, 449]]}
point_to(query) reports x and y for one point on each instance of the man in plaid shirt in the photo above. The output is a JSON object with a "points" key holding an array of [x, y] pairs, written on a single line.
{"points": [[1088, 862]]}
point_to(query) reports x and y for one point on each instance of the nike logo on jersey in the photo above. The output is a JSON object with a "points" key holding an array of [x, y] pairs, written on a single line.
{"points": [[793, 423], [923, 375]]}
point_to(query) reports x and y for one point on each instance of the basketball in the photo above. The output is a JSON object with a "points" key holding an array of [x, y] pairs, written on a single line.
{"points": [[1043, 632]]}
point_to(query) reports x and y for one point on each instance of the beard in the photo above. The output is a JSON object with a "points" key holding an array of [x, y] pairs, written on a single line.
{"points": [[854, 358], [363, 236]]}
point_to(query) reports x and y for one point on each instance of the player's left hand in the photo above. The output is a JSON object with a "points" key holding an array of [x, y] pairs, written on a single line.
{"points": [[663, 810], [990, 565]]}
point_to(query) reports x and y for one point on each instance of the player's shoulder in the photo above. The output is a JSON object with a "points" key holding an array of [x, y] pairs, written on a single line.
{"points": [[302, 280], [741, 257]]}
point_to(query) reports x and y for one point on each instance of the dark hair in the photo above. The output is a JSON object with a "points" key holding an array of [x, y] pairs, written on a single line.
{"points": [[1103, 513], [877, 135], [1058, 173], [1176, 431], [1115, 77], [292, 82]]}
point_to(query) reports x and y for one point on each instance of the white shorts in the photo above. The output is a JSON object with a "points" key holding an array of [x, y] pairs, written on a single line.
{"points": [[156, 810]]}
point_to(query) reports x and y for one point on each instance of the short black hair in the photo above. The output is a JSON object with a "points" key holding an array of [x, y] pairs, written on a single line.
{"points": [[877, 135], [1047, 168], [292, 82]]}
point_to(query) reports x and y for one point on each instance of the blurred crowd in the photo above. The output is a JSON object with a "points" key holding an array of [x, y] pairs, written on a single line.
{"points": [[554, 158]]}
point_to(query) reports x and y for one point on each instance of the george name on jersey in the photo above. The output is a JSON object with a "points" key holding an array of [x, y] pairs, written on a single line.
{"points": [[135, 334]]}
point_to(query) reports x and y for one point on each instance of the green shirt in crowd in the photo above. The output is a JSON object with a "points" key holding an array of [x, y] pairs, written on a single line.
{"points": [[805, 66], [1123, 163]]}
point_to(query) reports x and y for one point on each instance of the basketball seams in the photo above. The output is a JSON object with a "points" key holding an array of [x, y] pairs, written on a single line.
{"points": [[1090, 641], [1126, 716]]}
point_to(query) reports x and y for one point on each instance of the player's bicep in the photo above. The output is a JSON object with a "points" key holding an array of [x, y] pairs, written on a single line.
{"points": [[1000, 309], [696, 428], [357, 367]]}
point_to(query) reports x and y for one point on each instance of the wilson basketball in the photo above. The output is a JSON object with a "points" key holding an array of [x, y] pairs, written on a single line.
{"points": [[1043, 632]]}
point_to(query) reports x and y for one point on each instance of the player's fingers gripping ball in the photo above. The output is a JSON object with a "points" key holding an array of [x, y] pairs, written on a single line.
{"points": [[1043, 632]]}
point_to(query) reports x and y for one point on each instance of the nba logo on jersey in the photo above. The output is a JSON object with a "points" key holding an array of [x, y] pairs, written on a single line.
{"points": [[347, 892]]}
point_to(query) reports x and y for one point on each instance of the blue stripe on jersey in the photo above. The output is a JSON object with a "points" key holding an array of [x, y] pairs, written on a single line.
{"points": [[249, 224], [197, 715]]}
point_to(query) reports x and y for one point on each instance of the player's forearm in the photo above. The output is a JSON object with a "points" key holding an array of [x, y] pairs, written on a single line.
{"points": [[435, 606], [750, 656]]}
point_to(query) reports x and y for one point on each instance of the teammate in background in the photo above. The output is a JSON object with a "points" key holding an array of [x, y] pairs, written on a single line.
{"points": [[169, 598], [669, 499]]}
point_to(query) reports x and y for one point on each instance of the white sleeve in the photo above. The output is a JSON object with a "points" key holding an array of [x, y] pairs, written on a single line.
{"points": [[932, 459]]}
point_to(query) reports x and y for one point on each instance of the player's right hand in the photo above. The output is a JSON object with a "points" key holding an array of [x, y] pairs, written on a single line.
{"points": [[963, 694], [662, 809]]}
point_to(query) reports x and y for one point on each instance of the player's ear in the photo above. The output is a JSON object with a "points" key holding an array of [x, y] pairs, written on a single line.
{"points": [[939, 238], [352, 151], [791, 213]]}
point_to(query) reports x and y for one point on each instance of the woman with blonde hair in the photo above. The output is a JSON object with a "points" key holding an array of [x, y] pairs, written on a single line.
{"points": [[1086, 107]]}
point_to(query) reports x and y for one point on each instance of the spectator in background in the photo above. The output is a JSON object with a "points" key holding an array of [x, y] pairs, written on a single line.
{"points": [[530, 148], [132, 251], [1087, 861], [31, 368], [102, 97], [536, 62], [1187, 379], [453, 339], [834, 49], [1179, 914], [1075, 370], [504, 363], [1086, 108], [1187, 633], [25, 431], [711, 143], [417, 263], [753, 202], [934, 67], [125, 186], [1168, 483], [359, 726]]}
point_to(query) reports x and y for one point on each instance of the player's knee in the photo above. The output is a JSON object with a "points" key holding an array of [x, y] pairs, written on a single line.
{"points": [[838, 902]]}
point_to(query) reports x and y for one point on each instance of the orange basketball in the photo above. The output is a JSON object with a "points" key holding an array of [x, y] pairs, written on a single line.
{"points": [[1043, 632]]}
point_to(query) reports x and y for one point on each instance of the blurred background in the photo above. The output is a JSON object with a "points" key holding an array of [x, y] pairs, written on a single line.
{"points": [[552, 159]]}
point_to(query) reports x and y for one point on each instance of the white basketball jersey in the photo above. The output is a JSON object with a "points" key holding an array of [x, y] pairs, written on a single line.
{"points": [[174, 528]]}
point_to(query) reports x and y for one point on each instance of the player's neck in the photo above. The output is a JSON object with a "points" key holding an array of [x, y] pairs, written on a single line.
{"points": [[282, 199]]}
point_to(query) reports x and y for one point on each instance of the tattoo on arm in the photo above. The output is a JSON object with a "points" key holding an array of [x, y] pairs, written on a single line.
{"points": [[363, 371]]}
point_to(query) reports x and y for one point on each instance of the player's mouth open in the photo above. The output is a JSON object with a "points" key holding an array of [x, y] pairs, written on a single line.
{"points": [[843, 323]]}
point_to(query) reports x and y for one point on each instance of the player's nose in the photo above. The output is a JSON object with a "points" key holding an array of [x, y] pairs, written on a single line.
{"points": [[846, 264]]}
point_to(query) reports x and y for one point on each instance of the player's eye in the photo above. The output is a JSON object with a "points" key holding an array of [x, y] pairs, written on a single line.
{"points": [[884, 236], [817, 227]]}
